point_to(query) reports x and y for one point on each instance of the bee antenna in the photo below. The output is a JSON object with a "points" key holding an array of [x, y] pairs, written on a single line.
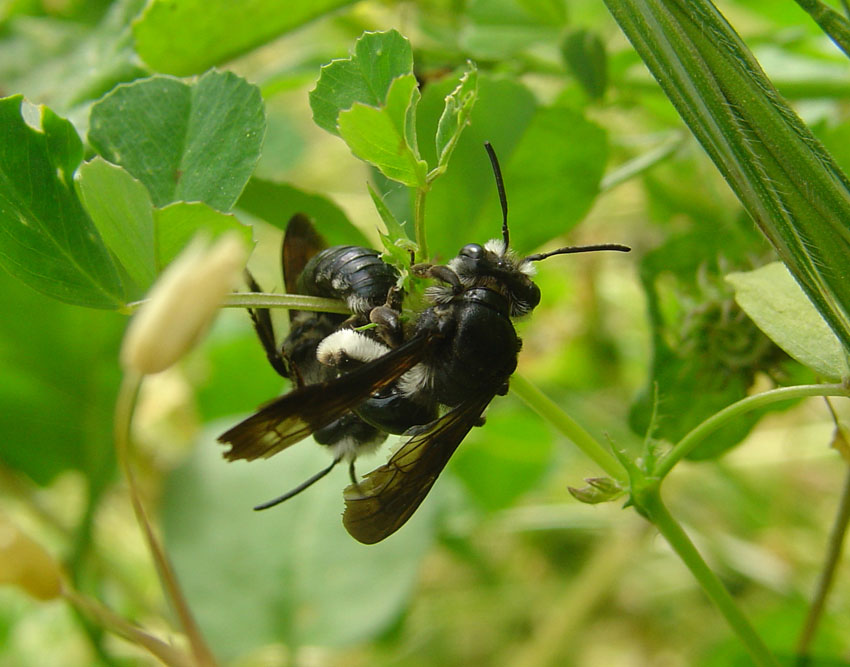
{"points": [[298, 489], [578, 248], [500, 186]]}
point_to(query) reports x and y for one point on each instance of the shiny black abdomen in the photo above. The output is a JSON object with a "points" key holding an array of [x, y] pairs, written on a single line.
{"points": [[354, 274]]}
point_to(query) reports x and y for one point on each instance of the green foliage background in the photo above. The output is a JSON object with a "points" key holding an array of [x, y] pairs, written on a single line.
{"points": [[501, 565]]}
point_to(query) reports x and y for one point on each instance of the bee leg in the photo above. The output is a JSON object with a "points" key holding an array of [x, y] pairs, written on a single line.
{"points": [[298, 489], [389, 325], [265, 331], [442, 273], [352, 473]]}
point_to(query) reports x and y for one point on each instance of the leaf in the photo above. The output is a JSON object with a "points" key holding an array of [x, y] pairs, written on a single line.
{"points": [[289, 557], [505, 458], [185, 142], [552, 161], [122, 211], [365, 77], [775, 302], [185, 37], [46, 238], [789, 184], [177, 223], [585, 56], [385, 137], [276, 203], [456, 114], [62, 63], [60, 378]]}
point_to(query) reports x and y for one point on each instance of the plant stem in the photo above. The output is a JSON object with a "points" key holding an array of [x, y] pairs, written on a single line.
{"points": [[641, 163], [109, 620], [827, 575], [650, 502], [291, 301], [419, 223], [718, 419], [124, 407], [549, 410]]}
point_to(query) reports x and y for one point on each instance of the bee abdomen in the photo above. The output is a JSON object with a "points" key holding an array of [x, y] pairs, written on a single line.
{"points": [[353, 274]]}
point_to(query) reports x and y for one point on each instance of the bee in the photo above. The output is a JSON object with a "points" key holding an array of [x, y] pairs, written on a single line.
{"points": [[457, 355], [356, 276]]}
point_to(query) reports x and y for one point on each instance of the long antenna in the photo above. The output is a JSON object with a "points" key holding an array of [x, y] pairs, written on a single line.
{"points": [[578, 248], [298, 489], [500, 186]]}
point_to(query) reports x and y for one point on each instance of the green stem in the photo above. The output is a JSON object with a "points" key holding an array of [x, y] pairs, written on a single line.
{"points": [[419, 223], [549, 410], [641, 163], [269, 300], [124, 408], [827, 575], [650, 502], [687, 444]]}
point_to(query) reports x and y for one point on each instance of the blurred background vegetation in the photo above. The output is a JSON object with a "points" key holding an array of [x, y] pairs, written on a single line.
{"points": [[501, 566]]}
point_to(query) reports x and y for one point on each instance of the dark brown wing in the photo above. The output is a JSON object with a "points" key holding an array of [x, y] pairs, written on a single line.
{"points": [[388, 496], [292, 417], [300, 242]]}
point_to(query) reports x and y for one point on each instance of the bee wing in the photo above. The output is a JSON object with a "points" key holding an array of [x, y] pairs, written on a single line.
{"points": [[292, 417], [389, 495], [300, 242]]}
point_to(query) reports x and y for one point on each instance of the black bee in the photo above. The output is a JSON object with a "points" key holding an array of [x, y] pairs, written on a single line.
{"points": [[459, 354], [351, 274]]}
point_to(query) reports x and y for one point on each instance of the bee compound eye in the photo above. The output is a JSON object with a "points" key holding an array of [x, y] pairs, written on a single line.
{"points": [[472, 250]]}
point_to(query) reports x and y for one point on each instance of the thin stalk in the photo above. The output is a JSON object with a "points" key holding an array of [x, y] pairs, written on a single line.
{"points": [[650, 501], [827, 575], [687, 444], [124, 407], [108, 619], [419, 223], [270, 300], [549, 410], [641, 163]]}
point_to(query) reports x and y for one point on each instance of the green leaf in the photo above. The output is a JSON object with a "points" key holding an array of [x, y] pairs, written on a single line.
{"points": [[185, 37], [62, 63], [46, 239], [185, 142], [385, 137], [365, 77], [177, 223], [456, 114], [775, 302], [552, 161], [788, 183], [60, 378], [289, 557], [122, 211], [276, 203], [585, 56], [396, 242], [505, 458]]}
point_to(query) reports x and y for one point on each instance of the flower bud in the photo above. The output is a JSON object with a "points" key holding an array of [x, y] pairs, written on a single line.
{"points": [[24, 563], [182, 304], [599, 490]]}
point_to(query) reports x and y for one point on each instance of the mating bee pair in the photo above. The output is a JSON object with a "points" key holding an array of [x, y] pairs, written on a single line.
{"points": [[430, 379]]}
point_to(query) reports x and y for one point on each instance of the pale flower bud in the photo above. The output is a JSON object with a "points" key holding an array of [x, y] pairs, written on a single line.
{"points": [[182, 303], [24, 563]]}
